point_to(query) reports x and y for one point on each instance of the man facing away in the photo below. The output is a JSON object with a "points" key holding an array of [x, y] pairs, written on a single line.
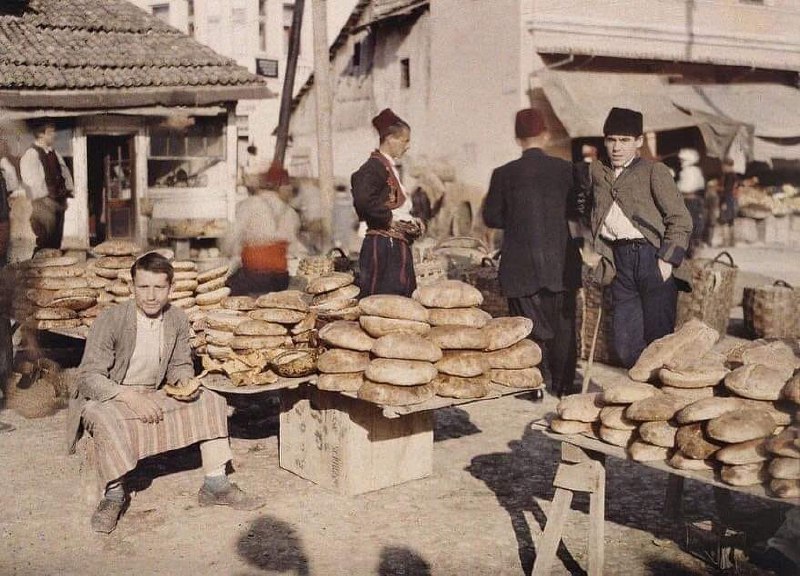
{"points": [[133, 349], [641, 228], [48, 183], [539, 272]]}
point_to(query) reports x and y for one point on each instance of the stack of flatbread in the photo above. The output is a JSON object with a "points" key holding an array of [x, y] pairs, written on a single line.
{"points": [[334, 296], [209, 287], [341, 367]]}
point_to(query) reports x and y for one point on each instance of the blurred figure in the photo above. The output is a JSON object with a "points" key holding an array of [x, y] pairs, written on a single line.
{"points": [[727, 202], [692, 185], [49, 184]]}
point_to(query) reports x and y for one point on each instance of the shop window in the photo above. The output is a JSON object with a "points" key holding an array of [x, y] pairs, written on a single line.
{"points": [[182, 153]]}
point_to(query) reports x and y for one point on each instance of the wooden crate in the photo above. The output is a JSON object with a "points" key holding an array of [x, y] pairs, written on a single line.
{"points": [[347, 445]]}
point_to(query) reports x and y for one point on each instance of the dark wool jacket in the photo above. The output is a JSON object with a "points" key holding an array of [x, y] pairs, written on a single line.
{"points": [[528, 199], [646, 193], [370, 188]]}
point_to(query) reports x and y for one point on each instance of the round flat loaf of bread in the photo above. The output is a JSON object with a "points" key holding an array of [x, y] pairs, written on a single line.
{"points": [[614, 417], [289, 299], [692, 440], [785, 468], [707, 409], [188, 286], [115, 262], [692, 378], [569, 426], [184, 266], [524, 354], [341, 382], [214, 297], [507, 331], [388, 395], [219, 352], [659, 432], [337, 361], [224, 319], [53, 262], [377, 326], [55, 314], [57, 271], [45, 253], [116, 248], [352, 313], [756, 381], [777, 355], [689, 343], [617, 437], [184, 303], [251, 327], [660, 407], [329, 282], [582, 407], [682, 462], [404, 346], [782, 412], [212, 274], [349, 292], [305, 325], [744, 474], [786, 443], [181, 294], [107, 273], [644, 452], [244, 303], [458, 337], [218, 337], [346, 334], [471, 317], [448, 294], [524, 378], [785, 488], [119, 288], [332, 306], [400, 372], [463, 364], [184, 275], [392, 306], [277, 315], [60, 283], [791, 391], [456, 387], [74, 302], [96, 282], [259, 342], [692, 394], [749, 452], [58, 324], [628, 392], [741, 426], [205, 287]]}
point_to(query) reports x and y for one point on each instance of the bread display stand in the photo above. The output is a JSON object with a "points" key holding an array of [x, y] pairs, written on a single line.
{"points": [[352, 446], [582, 469]]}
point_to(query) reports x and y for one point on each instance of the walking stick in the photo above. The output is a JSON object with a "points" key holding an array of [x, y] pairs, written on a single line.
{"points": [[587, 372]]}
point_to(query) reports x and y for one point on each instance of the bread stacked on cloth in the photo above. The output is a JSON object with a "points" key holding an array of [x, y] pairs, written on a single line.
{"points": [[334, 296], [478, 349], [734, 414]]}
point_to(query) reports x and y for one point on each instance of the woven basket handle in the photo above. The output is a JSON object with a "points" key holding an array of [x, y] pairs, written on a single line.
{"points": [[339, 250], [720, 255], [783, 284]]}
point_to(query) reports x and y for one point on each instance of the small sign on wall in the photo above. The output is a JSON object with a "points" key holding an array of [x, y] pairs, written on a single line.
{"points": [[267, 67]]}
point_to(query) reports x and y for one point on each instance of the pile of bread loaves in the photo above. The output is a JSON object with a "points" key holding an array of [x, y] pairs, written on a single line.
{"points": [[736, 414], [404, 351]]}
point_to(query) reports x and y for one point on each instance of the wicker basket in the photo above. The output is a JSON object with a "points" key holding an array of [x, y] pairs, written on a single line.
{"points": [[461, 253], [313, 266], [430, 270], [772, 311], [593, 305], [295, 363], [484, 277], [711, 298]]}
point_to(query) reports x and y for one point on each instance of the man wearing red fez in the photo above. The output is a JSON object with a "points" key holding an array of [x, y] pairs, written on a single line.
{"points": [[641, 228], [380, 200], [540, 264]]}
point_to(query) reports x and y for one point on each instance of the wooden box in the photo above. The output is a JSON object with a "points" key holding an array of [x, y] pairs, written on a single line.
{"points": [[347, 445]]}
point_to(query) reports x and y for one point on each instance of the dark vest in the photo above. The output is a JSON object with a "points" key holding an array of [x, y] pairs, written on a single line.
{"points": [[56, 185]]}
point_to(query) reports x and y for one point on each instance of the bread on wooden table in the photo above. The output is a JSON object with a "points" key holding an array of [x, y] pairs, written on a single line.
{"points": [[456, 387], [388, 395], [741, 426], [524, 354], [659, 432], [407, 346], [507, 331], [393, 306], [465, 364], [400, 372], [338, 360], [448, 294]]}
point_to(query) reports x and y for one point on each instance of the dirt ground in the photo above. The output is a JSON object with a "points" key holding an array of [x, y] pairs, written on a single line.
{"points": [[481, 512]]}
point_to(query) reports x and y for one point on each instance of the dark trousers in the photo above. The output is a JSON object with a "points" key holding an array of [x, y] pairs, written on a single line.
{"points": [[245, 282], [644, 304], [553, 315], [696, 205], [386, 266], [47, 222]]}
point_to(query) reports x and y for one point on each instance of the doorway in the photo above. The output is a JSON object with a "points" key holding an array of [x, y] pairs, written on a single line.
{"points": [[112, 187]]}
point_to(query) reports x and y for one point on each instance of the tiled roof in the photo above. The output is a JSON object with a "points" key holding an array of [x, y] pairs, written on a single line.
{"points": [[104, 44], [387, 8]]}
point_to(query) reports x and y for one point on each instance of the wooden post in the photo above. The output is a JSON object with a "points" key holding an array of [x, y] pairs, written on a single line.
{"points": [[288, 83], [322, 83]]}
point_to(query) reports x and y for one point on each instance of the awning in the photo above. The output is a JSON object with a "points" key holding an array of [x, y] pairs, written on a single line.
{"points": [[581, 100], [772, 109]]}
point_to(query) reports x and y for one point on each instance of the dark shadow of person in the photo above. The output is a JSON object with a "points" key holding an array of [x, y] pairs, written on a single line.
{"points": [[452, 423], [272, 544], [399, 561], [516, 478]]}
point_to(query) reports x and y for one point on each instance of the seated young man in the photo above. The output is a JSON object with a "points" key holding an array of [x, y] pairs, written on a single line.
{"points": [[132, 350]]}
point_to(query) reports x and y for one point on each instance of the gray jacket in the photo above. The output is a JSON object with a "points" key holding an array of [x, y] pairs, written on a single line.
{"points": [[108, 352]]}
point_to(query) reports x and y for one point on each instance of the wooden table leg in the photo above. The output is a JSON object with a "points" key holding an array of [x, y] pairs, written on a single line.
{"points": [[673, 499], [597, 522], [546, 550]]}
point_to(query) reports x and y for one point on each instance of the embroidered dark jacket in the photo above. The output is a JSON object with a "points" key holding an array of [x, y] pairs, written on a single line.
{"points": [[375, 193]]}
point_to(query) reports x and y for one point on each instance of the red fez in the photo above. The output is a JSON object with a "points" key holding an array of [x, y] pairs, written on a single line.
{"points": [[276, 177], [623, 122], [529, 123], [385, 120]]}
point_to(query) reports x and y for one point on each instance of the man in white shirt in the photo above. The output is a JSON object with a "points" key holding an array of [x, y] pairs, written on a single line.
{"points": [[48, 183]]}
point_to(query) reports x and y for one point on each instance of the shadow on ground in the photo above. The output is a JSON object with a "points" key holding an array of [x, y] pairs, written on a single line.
{"points": [[400, 561], [273, 545], [451, 423]]}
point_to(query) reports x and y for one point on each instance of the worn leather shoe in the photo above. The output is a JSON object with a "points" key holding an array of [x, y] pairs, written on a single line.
{"points": [[107, 514], [232, 496]]}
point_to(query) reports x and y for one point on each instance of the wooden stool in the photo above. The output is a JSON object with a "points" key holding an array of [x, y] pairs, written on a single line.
{"points": [[580, 471]]}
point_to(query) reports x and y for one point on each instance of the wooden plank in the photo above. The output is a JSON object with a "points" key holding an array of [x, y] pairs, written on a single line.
{"points": [[583, 477], [347, 445], [597, 520], [546, 549]]}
